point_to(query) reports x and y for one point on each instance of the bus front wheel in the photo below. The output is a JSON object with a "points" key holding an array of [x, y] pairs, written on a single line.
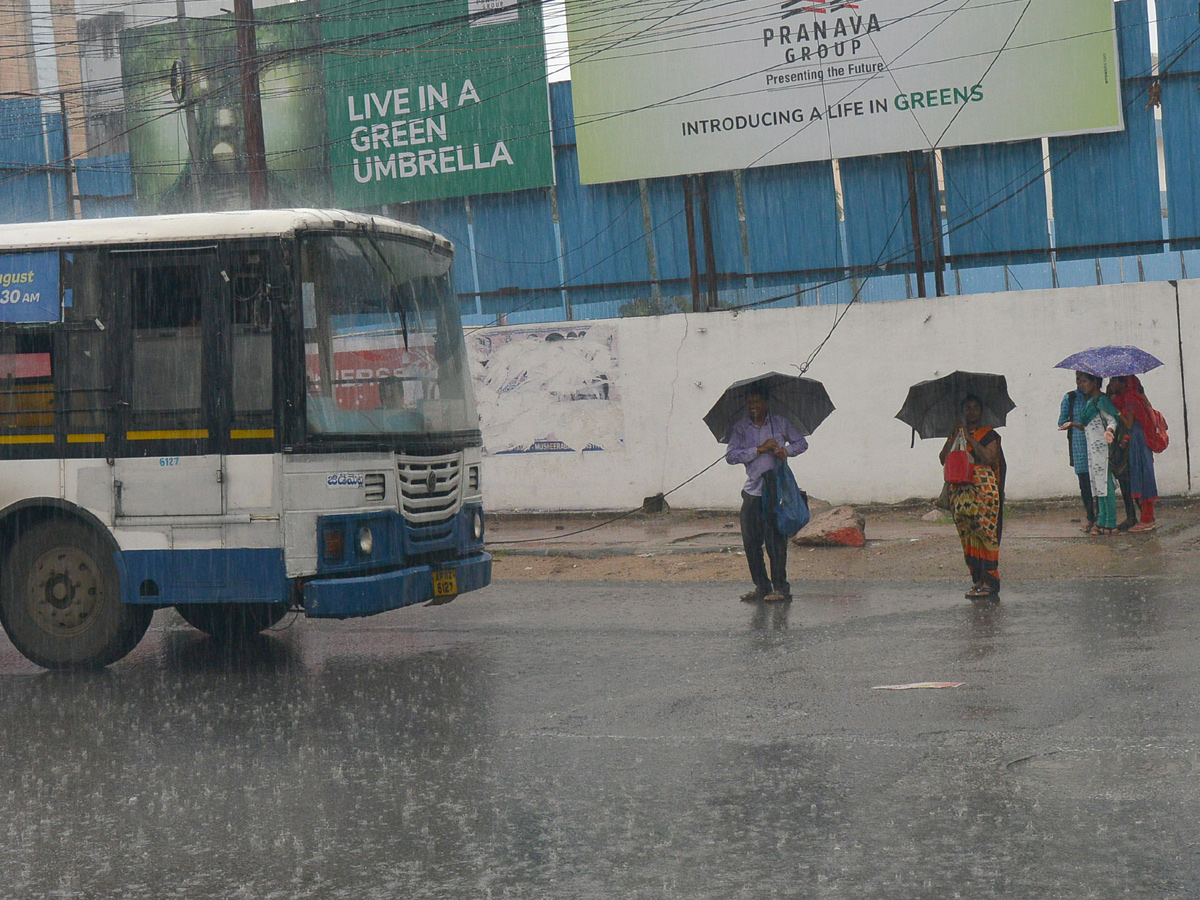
{"points": [[60, 599], [232, 621]]}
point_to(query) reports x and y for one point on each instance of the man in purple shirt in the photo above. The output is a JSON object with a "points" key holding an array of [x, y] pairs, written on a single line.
{"points": [[756, 442]]}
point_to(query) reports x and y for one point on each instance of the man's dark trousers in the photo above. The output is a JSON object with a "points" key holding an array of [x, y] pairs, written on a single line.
{"points": [[755, 533]]}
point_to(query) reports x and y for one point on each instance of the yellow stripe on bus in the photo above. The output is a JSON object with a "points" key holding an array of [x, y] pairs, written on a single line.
{"points": [[168, 434], [26, 439], [247, 433], [86, 438]]}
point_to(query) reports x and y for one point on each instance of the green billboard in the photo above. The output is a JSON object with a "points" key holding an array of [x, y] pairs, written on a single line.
{"points": [[438, 99], [172, 75], [361, 106]]}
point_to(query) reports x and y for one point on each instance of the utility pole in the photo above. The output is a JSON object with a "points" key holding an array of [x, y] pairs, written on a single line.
{"points": [[183, 95], [252, 125], [69, 179]]}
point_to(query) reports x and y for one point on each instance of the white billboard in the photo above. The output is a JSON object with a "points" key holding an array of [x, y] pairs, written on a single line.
{"points": [[668, 88]]}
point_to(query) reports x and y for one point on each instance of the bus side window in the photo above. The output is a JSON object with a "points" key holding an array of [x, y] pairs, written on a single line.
{"points": [[26, 385], [84, 379], [165, 311], [82, 274], [87, 394], [254, 299]]}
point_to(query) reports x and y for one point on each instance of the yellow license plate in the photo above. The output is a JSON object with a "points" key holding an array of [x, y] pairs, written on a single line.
{"points": [[445, 583]]}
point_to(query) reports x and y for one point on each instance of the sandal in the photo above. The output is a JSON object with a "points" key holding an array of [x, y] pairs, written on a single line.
{"points": [[978, 593], [752, 596], [776, 597], [1095, 531], [1141, 527]]}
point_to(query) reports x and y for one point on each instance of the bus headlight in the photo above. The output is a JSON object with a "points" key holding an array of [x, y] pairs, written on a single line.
{"points": [[366, 540], [477, 525]]}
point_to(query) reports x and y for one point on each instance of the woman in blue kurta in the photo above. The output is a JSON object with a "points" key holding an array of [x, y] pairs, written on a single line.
{"points": [[1098, 419]]}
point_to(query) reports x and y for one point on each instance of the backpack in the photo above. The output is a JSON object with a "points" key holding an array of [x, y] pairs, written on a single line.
{"points": [[1156, 437]]}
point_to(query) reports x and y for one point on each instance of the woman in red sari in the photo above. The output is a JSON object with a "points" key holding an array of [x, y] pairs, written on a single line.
{"points": [[979, 506], [1130, 401]]}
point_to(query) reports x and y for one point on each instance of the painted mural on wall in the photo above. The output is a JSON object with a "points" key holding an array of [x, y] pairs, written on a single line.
{"points": [[548, 390]]}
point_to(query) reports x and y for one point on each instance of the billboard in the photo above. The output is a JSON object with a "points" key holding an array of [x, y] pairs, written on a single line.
{"points": [[171, 72], [361, 107], [732, 84], [443, 98]]}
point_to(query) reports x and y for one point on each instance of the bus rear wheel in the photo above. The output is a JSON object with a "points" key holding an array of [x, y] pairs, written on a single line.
{"points": [[232, 621], [60, 599]]}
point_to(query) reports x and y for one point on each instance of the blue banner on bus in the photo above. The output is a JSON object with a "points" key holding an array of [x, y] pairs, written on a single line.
{"points": [[29, 287]]}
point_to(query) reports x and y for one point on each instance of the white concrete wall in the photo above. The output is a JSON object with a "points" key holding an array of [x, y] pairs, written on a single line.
{"points": [[668, 371]]}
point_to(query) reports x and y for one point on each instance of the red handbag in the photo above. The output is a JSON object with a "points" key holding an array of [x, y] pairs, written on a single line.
{"points": [[958, 468]]}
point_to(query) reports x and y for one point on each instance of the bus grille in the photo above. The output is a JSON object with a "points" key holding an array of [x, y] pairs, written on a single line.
{"points": [[429, 491]]}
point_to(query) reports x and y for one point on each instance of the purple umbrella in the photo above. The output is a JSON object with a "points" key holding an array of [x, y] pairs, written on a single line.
{"points": [[1111, 362]]}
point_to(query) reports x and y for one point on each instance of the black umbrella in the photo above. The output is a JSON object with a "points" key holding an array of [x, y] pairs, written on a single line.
{"points": [[934, 407], [802, 401]]}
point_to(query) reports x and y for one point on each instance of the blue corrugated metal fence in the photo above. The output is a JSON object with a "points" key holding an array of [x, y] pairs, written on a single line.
{"points": [[787, 235]]}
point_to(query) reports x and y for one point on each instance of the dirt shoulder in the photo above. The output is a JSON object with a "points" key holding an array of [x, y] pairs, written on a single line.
{"points": [[1041, 541]]}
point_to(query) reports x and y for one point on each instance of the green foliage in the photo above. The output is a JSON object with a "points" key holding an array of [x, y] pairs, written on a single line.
{"points": [[647, 306]]}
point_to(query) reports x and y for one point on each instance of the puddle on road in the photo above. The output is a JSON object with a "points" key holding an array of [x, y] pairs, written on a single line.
{"points": [[1107, 764]]}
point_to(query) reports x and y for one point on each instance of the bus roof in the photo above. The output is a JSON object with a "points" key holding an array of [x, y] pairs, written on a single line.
{"points": [[186, 227]]}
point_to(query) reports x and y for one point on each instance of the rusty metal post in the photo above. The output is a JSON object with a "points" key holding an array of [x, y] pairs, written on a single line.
{"points": [[693, 265], [710, 253], [915, 219]]}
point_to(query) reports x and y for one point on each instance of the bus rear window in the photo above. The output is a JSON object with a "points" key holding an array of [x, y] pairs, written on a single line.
{"points": [[25, 365], [26, 387]]}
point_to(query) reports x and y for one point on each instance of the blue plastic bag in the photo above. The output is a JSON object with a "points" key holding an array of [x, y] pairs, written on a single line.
{"points": [[784, 505]]}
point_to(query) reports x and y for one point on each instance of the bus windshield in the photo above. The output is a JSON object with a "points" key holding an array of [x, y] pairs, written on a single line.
{"points": [[384, 348]]}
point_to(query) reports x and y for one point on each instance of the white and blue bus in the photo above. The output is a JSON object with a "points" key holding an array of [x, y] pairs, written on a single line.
{"points": [[235, 414]]}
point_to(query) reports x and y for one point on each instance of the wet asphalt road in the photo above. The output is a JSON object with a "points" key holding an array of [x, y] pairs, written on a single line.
{"points": [[626, 740]]}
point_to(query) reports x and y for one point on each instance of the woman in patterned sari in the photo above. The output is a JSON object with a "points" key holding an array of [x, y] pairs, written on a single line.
{"points": [[979, 506]]}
